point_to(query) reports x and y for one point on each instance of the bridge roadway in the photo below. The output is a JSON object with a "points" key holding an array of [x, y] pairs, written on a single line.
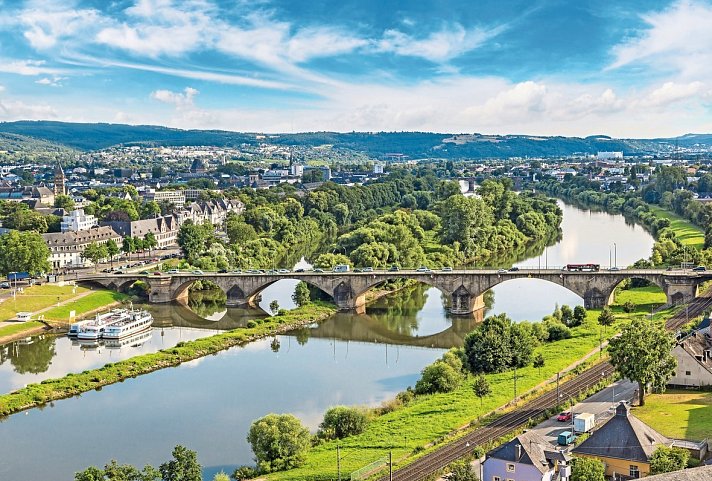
{"points": [[464, 288]]}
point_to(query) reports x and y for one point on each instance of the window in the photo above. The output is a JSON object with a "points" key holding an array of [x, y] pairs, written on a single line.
{"points": [[495, 478], [633, 471], [688, 373], [510, 467]]}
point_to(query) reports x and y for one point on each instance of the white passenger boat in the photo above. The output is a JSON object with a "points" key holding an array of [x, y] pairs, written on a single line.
{"points": [[133, 322], [74, 328], [94, 329], [133, 340]]}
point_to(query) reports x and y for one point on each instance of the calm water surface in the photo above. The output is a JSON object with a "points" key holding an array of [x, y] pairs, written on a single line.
{"points": [[209, 404]]}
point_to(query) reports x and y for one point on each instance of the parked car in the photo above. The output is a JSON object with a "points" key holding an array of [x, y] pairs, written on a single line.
{"points": [[5, 285], [422, 269], [501, 271], [699, 269], [446, 269], [197, 272], [564, 416], [393, 269]]}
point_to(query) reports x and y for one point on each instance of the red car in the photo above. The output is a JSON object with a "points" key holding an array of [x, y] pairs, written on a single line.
{"points": [[564, 416]]}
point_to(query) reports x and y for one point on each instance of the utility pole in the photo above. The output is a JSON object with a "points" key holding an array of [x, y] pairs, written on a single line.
{"points": [[558, 396], [615, 255], [338, 461]]}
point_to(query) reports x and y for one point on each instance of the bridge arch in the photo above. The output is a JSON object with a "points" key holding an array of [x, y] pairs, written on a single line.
{"points": [[240, 294], [457, 300], [669, 299]]}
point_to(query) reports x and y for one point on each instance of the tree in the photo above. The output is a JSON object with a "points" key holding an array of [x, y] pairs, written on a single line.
{"points": [[567, 315], [666, 460], [628, 307], [301, 294], [150, 242], [243, 473], [579, 316], [221, 476], [487, 348], [149, 210], [539, 362], [587, 469], [128, 246], [112, 250], [279, 441], [342, 421], [64, 202], [605, 319], [274, 306], [194, 239], [24, 252], [438, 377], [481, 387], [92, 473], [95, 252], [462, 471], [642, 354], [157, 171], [183, 467], [126, 472]]}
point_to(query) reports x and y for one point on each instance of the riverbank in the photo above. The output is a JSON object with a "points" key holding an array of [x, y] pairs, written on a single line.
{"points": [[688, 233], [410, 429], [35, 395]]}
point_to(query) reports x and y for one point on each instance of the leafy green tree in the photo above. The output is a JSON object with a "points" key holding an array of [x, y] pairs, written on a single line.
{"points": [[112, 250], [183, 467], [125, 472], [342, 421], [557, 331], [194, 239], [274, 306], [24, 252], [64, 202], [666, 460], [92, 473], [243, 473], [642, 353], [481, 388], [150, 242], [149, 210], [587, 469], [279, 441], [628, 307], [157, 171], [461, 471], [605, 319], [487, 348], [579, 316], [301, 295], [539, 362], [330, 260], [567, 315], [238, 231], [221, 476], [95, 252], [24, 219], [438, 377]]}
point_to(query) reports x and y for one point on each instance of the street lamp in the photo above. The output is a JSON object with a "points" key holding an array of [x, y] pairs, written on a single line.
{"points": [[615, 255]]}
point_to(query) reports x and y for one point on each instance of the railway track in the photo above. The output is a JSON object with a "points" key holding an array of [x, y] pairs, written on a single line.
{"points": [[693, 309], [501, 426]]}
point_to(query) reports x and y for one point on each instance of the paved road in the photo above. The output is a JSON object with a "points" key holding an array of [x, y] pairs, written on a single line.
{"points": [[601, 404]]}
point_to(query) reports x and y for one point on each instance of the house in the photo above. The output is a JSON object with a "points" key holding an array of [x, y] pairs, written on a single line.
{"points": [[66, 248], [624, 444], [528, 457], [702, 473], [694, 360], [77, 220], [213, 211], [164, 229], [43, 194]]}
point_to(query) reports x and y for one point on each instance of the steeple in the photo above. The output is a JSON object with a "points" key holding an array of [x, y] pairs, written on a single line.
{"points": [[59, 185]]}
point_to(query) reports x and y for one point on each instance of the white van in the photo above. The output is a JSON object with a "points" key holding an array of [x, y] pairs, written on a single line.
{"points": [[23, 316], [341, 268]]}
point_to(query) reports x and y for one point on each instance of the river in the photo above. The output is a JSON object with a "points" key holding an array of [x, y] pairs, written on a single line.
{"points": [[208, 404]]}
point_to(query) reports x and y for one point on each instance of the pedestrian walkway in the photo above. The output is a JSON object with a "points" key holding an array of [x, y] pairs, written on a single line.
{"points": [[39, 312]]}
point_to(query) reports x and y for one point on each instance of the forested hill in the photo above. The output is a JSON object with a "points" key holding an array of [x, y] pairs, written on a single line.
{"points": [[415, 145]]}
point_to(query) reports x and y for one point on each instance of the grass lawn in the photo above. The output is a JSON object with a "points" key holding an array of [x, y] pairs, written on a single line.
{"points": [[688, 233], [644, 297], [19, 327], [678, 414], [88, 303], [37, 297], [414, 426]]}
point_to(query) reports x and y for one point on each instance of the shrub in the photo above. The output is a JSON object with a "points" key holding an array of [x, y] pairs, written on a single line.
{"points": [[279, 442], [558, 331], [342, 421], [251, 324], [438, 377]]}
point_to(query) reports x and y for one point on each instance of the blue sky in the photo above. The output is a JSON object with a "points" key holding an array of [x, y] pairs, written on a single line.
{"points": [[551, 67]]}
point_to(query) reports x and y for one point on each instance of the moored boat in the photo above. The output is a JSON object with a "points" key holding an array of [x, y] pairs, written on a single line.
{"points": [[94, 329], [135, 321]]}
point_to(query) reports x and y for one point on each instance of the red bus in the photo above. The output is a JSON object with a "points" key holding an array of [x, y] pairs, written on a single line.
{"points": [[583, 267]]}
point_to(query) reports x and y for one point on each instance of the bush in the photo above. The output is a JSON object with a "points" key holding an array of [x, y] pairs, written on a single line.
{"points": [[665, 460], [558, 331], [341, 421], [244, 473], [438, 377], [406, 396], [251, 324]]}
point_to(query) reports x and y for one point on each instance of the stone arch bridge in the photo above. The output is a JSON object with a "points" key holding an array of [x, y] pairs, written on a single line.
{"points": [[464, 288]]}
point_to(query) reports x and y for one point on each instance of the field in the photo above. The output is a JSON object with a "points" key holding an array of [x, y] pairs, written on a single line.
{"points": [[36, 298], [19, 327], [688, 233], [413, 427], [644, 297], [678, 414], [85, 304]]}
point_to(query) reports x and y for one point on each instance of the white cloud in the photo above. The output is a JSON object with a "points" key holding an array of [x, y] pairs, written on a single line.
{"points": [[47, 22], [677, 39], [28, 67], [55, 81], [2, 88], [440, 46], [18, 110], [671, 92], [321, 42], [179, 100]]}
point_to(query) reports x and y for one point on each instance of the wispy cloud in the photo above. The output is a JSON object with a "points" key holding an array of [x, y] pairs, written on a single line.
{"points": [[51, 81], [178, 99], [29, 67], [47, 22]]}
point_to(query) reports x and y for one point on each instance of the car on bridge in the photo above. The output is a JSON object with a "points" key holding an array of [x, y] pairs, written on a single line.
{"points": [[368, 269], [393, 269], [699, 269], [197, 272], [422, 269], [446, 269]]}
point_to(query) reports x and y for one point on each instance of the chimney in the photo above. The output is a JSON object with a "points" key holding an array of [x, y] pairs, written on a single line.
{"points": [[519, 451]]}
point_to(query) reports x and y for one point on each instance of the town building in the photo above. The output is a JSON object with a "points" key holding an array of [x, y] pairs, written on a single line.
{"points": [[175, 197], [77, 220], [60, 187], [694, 360], [624, 444], [701, 473], [66, 248], [609, 155], [213, 211], [164, 229], [528, 457], [44, 195]]}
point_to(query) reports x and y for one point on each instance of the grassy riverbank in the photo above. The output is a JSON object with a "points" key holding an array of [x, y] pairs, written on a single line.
{"points": [[412, 428], [36, 298], [84, 305], [73, 384], [688, 233], [13, 329]]}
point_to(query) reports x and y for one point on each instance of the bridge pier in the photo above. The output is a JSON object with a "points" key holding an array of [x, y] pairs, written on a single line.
{"points": [[160, 290], [680, 292], [464, 304], [471, 185]]}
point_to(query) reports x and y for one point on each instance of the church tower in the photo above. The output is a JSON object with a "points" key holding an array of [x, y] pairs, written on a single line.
{"points": [[59, 186]]}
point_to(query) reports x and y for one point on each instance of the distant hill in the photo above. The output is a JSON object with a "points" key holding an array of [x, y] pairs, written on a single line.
{"points": [[22, 143], [412, 144]]}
